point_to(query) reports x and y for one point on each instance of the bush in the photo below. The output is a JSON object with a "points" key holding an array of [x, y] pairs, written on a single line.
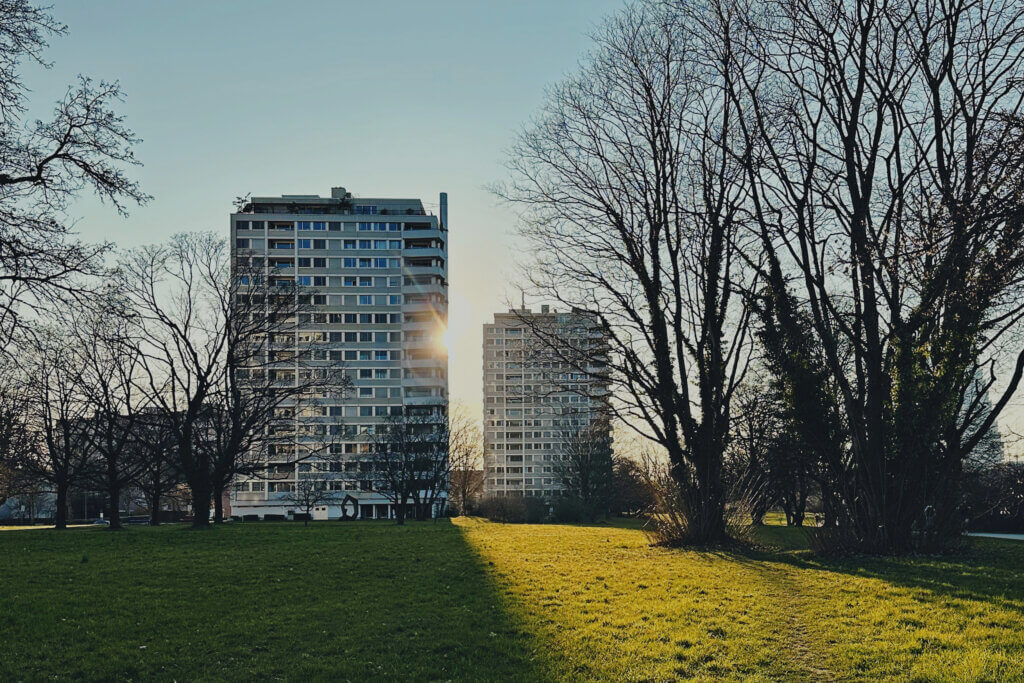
{"points": [[513, 509], [569, 509], [273, 518]]}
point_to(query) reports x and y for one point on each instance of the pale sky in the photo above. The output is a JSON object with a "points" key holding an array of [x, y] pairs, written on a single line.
{"points": [[393, 98]]}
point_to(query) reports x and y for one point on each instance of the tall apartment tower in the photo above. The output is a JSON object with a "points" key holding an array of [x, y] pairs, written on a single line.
{"points": [[379, 270], [542, 382]]}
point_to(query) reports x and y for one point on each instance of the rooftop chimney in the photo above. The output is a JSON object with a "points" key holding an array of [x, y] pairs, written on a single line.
{"points": [[338, 193]]}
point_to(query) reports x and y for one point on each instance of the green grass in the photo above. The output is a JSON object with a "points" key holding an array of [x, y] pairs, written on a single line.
{"points": [[472, 600]]}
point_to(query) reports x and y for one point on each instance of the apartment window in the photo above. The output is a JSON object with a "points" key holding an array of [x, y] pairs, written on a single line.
{"points": [[365, 227], [303, 225], [394, 299], [365, 210], [366, 244], [242, 225], [395, 244], [350, 318], [319, 263], [348, 244], [366, 281], [349, 262], [380, 244], [334, 226], [394, 227], [242, 243], [305, 244], [319, 225], [365, 300], [319, 244]]}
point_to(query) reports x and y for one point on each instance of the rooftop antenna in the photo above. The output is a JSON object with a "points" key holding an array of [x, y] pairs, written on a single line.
{"points": [[522, 300]]}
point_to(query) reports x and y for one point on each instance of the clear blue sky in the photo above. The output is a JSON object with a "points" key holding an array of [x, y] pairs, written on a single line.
{"points": [[387, 98]]}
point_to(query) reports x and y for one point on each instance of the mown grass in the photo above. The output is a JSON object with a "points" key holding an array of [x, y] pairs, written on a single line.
{"points": [[473, 600]]}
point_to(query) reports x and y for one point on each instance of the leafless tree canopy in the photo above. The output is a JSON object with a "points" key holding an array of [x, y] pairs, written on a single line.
{"points": [[883, 146], [44, 165], [636, 208]]}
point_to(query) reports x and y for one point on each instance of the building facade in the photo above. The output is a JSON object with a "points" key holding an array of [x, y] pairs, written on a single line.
{"points": [[378, 271], [543, 383]]}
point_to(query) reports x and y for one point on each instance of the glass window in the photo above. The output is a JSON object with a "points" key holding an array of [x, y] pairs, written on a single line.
{"points": [[242, 225], [305, 244], [319, 225]]}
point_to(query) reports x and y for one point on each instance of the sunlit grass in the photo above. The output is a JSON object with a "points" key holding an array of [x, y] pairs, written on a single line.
{"points": [[473, 600]]}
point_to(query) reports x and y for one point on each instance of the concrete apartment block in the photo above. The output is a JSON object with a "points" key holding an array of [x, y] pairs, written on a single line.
{"points": [[542, 381], [379, 269]]}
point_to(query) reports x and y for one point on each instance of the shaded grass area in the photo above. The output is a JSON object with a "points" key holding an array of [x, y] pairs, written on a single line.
{"points": [[474, 600], [358, 601]]}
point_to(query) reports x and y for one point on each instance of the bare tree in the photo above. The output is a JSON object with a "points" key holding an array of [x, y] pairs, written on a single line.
{"points": [[883, 146], [44, 165], [409, 463], [181, 292], [465, 460], [58, 450], [159, 476], [636, 207], [313, 487], [223, 364], [15, 435], [109, 374], [586, 466], [275, 371]]}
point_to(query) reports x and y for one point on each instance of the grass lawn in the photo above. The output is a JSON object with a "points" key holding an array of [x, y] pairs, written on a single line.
{"points": [[472, 600]]}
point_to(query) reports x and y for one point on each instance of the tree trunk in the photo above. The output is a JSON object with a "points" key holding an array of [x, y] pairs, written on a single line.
{"points": [[200, 503], [218, 505], [60, 514], [154, 506], [400, 512], [114, 498]]}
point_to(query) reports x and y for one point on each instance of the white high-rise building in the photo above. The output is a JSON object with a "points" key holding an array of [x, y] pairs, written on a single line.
{"points": [[379, 270], [543, 382]]}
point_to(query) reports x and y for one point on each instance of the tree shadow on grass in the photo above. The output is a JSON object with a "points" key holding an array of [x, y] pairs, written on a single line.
{"points": [[334, 601], [986, 570]]}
